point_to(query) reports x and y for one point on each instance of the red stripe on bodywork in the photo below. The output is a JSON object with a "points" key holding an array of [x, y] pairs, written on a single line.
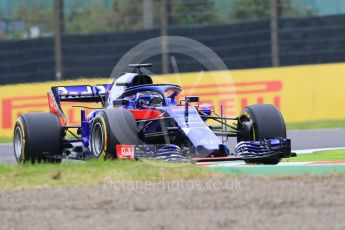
{"points": [[53, 107], [144, 114]]}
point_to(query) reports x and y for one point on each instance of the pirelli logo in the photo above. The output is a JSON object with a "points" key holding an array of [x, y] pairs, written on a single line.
{"points": [[234, 96], [231, 96], [14, 106]]}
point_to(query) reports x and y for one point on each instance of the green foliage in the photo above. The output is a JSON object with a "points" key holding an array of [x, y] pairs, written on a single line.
{"points": [[193, 12], [128, 14], [119, 15], [248, 10], [35, 15], [124, 15], [88, 19]]}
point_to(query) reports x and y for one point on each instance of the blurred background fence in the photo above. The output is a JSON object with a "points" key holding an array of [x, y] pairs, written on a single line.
{"points": [[40, 38]]}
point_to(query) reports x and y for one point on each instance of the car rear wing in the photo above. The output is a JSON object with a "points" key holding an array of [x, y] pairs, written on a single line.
{"points": [[81, 93]]}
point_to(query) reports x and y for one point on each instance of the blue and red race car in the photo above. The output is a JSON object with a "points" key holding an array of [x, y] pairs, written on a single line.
{"points": [[139, 119]]}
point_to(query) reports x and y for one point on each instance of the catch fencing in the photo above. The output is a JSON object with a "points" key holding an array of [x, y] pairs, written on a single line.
{"points": [[241, 46]]}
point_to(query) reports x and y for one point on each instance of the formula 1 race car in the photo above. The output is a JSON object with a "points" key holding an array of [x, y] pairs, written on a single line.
{"points": [[139, 119]]}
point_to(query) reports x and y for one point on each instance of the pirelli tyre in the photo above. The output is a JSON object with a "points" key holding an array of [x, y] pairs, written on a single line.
{"points": [[36, 136], [112, 127], [267, 122]]}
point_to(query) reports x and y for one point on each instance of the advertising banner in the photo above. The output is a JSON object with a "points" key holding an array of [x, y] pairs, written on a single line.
{"points": [[302, 93]]}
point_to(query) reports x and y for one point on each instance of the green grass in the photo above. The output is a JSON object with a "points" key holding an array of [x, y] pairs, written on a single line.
{"points": [[283, 171], [293, 170], [325, 124], [333, 155], [5, 139], [29, 176]]}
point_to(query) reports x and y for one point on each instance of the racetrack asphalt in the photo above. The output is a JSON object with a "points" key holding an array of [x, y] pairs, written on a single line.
{"points": [[301, 139]]}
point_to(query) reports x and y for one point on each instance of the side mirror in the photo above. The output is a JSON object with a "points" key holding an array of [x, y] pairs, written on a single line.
{"points": [[187, 100], [119, 102], [192, 99]]}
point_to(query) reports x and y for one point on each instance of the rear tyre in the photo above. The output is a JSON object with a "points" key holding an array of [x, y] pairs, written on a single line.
{"points": [[37, 135], [112, 127], [268, 122]]}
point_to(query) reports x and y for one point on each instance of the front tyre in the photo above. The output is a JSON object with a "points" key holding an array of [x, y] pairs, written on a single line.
{"points": [[36, 136], [267, 122], [112, 127]]}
